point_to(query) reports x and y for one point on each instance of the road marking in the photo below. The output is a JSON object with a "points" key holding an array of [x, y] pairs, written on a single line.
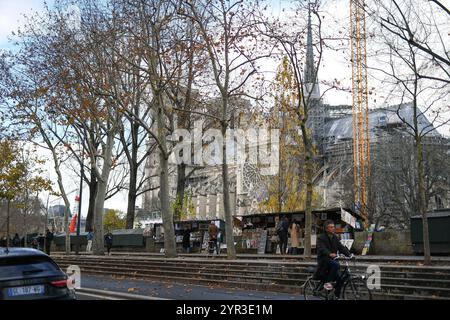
{"points": [[98, 296], [116, 295]]}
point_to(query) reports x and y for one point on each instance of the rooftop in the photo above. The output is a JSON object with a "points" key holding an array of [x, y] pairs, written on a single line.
{"points": [[342, 128]]}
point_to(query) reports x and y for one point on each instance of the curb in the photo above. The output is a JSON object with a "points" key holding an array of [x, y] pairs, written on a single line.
{"points": [[115, 294]]}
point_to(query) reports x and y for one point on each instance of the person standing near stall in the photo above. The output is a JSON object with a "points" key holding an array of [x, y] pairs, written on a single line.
{"points": [[90, 238], [213, 233], [41, 241], [48, 241], [16, 240], [187, 239], [294, 231], [282, 232]]}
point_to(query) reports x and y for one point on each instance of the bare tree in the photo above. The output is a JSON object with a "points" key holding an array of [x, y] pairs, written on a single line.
{"points": [[25, 80], [304, 85], [229, 36], [422, 25], [89, 92], [416, 77], [151, 26]]}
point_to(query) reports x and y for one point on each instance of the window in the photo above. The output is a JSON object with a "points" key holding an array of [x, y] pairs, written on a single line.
{"points": [[20, 267]]}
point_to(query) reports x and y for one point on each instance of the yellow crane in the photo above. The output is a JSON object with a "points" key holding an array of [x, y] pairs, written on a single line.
{"points": [[361, 134]]}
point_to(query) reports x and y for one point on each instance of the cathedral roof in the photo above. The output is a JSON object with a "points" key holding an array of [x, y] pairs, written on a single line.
{"points": [[342, 128]]}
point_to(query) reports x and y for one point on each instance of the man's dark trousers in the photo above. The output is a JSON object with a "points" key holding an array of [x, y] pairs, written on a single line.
{"points": [[283, 242], [334, 275]]}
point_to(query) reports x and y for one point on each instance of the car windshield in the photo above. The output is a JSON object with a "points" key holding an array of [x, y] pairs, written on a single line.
{"points": [[26, 266]]}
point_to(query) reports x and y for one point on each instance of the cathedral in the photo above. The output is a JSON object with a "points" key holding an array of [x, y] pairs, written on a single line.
{"points": [[332, 133]]}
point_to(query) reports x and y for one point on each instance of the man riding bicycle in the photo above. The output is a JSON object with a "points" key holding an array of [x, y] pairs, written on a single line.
{"points": [[328, 247]]}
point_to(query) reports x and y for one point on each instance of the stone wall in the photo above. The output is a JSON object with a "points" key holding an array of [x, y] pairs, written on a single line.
{"points": [[388, 242]]}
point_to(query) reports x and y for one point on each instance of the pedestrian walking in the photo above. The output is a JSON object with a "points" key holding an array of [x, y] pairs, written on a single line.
{"points": [[35, 243], [3, 242], [16, 240], [48, 241], [90, 238], [109, 242]]}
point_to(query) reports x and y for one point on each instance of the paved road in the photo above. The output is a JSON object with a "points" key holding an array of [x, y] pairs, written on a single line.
{"points": [[174, 291]]}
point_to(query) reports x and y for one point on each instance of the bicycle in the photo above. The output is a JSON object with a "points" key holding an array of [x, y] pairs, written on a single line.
{"points": [[354, 287]]}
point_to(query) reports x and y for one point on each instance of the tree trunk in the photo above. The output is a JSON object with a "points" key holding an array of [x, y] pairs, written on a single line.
{"points": [[25, 226], [231, 250], [66, 200], [166, 210], [98, 243], [422, 202], [8, 212], [131, 208], [66, 225], [309, 189], [181, 184], [93, 184], [132, 191]]}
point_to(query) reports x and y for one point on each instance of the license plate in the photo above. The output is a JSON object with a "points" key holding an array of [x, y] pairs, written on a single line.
{"points": [[26, 291]]}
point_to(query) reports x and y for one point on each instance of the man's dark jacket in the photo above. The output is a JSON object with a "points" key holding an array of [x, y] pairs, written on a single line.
{"points": [[325, 246], [109, 239], [187, 238]]}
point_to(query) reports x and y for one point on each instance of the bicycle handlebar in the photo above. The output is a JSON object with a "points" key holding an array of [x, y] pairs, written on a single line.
{"points": [[341, 256]]}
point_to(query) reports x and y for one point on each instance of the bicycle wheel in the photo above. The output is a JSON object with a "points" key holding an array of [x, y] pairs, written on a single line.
{"points": [[311, 290], [356, 289]]}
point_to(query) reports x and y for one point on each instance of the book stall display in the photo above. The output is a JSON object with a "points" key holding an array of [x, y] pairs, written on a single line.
{"points": [[198, 230], [258, 230]]}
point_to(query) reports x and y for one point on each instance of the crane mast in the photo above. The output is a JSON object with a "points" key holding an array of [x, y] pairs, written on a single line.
{"points": [[360, 107]]}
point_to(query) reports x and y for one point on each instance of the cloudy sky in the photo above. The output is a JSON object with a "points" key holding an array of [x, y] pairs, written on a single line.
{"points": [[11, 17], [335, 63]]}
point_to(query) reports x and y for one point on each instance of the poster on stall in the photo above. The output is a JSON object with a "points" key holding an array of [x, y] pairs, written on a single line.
{"points": [[205, 245], [262, 243], [366, 248], [347, 243], [348, 218]]}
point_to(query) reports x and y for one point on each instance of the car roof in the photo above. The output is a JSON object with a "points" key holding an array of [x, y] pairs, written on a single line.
{"points": [[20, 252]]}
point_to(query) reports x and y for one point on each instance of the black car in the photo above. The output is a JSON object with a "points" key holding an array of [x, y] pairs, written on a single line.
{"points": [[29, 274]]}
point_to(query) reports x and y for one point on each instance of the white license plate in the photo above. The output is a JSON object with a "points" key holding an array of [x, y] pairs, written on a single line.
{"points": [[26, 291]]}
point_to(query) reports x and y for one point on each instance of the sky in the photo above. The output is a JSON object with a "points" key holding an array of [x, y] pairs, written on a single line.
{"points": [[11, 18], [335, 66]]}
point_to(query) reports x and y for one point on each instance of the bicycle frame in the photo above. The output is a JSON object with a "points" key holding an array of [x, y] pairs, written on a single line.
{"points": [[318, 285]]}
